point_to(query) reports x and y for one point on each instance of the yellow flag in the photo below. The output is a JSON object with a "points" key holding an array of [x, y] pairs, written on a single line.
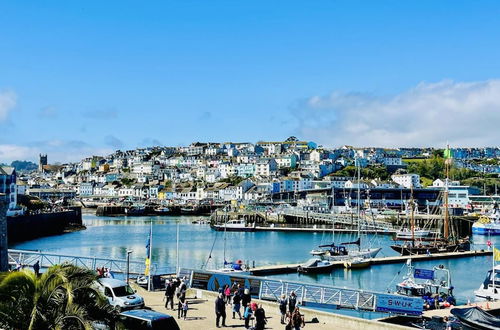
{"points": [[496, 254], [148, 265]]}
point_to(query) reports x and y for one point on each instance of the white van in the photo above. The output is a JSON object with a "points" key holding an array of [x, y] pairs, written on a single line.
{"points": [[120, 295]]}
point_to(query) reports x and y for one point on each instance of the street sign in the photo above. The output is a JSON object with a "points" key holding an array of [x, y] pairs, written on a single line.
{"points": [[390, 303]]}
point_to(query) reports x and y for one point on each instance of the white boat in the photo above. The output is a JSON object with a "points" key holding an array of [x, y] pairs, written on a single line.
{"points": [[406, 233], [490, 288], [363, 253], [234, 225]]}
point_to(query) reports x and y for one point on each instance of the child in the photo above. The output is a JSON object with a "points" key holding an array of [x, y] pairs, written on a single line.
{"points": [[184, 309], [247, 315]]}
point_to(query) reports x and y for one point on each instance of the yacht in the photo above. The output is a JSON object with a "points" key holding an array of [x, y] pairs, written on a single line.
{"points": [[490, 288]]}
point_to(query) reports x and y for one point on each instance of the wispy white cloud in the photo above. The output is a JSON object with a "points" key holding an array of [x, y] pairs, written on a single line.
{"points": [[7, 103], [430, 114], [113, 141], [48, 112]]}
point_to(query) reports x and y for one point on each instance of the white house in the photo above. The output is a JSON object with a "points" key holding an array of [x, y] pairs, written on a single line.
{"points": [[407, 180]]}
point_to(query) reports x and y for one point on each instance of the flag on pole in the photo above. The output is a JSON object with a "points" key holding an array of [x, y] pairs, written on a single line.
{"points": [[448, 155], [496, 254]]}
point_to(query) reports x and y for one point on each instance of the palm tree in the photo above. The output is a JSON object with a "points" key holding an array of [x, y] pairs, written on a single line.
{"points": [[64, 297]]}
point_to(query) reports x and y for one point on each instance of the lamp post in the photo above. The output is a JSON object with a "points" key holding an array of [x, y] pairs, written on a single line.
{"points": [[128, 264]]}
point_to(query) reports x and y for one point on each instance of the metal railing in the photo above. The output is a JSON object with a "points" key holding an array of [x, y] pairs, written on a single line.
{"points": [[347, 219], [313, 295], [28, 258]]}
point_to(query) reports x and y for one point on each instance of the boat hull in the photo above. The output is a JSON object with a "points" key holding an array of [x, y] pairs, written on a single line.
{"points": [[486, 229], [315, 270], [424, 249], [224, 228]]}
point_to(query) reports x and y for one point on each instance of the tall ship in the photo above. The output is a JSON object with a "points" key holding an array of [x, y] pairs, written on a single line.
{"points": [[447, 242]]}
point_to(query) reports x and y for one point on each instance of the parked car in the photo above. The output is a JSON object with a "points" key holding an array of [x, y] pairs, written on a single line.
{"points": [[120, 295], [145, 319]]}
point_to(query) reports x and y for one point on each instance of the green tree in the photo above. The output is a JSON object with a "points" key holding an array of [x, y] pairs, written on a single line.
{"points": [[64, 297]]}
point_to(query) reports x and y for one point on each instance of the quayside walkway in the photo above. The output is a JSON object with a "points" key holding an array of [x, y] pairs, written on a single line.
{"points": [[201, 314]]}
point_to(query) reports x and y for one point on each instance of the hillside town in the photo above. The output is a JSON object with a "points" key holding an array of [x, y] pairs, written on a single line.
{"points": [[244, 172]]}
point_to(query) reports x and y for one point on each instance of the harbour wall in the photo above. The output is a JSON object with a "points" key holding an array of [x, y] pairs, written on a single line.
{"points": [[26, 227]]}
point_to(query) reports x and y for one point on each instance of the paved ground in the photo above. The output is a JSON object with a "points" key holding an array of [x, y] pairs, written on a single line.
{"points": [[201, 315]]}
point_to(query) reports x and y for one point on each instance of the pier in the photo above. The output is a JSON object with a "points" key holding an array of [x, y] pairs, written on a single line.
{"points": [[292, 268], [28, 258]]}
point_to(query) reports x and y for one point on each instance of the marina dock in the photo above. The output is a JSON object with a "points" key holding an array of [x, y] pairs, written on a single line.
{"points": [[292, 268]]}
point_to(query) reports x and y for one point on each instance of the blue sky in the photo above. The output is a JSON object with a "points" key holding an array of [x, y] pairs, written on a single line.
{"points": [[84, 77]]}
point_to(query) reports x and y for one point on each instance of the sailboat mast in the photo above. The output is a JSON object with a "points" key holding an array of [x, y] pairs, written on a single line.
{"points": [[412, 216], [446, 219], [225, 227], [177, 247], [150, 287], [357, 204]]}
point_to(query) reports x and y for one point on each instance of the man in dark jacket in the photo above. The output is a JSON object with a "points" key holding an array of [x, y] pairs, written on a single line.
{"points": [[169, 295], [220, 310], [260, 318], [292, 301]]}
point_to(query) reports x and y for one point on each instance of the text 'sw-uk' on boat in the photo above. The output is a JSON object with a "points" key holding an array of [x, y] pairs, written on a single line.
{"points": [[432, 285], [449, 242]]}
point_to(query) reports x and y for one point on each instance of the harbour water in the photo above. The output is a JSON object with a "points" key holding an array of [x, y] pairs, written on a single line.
{"points": [[111, 237]]}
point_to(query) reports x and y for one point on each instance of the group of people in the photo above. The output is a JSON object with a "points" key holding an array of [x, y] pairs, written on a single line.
{"points": [[238, 296], [176, 287], [104, 272], [290, 312]]}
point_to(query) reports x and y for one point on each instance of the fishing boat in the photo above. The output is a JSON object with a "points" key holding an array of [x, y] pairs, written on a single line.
{"points": [[432, 285], [357, 263], [447, 243], [234, 225], [490, 288], [316, 265]]}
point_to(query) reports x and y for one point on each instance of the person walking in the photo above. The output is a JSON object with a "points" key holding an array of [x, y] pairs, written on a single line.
{"points": [[246, 298], [185, 308], [292, 301], [260, 318], [282, 306], [297, 319], [169, 295], [36, 268], [220, 310], [247, 315], [236, 305]]}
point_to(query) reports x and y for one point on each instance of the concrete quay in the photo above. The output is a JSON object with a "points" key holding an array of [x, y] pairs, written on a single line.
{"points": [[292, 268], [201, 314]]}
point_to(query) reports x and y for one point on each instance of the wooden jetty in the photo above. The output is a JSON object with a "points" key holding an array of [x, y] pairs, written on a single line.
{"points": [[292, 268]]}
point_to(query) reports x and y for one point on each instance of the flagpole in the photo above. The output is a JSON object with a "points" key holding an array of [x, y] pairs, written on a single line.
{"points": [[177, 249], [493, 269], [150, 254]]}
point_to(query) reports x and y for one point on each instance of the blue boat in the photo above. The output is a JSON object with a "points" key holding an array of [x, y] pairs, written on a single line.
{"points": [[486, 226]]}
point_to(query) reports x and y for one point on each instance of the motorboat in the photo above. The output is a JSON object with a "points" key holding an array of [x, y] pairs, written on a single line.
{"points": [[357, 263], [237, 267], [432, 285], [316, 265], [490, 288], [201, 221], [234, 225]]}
